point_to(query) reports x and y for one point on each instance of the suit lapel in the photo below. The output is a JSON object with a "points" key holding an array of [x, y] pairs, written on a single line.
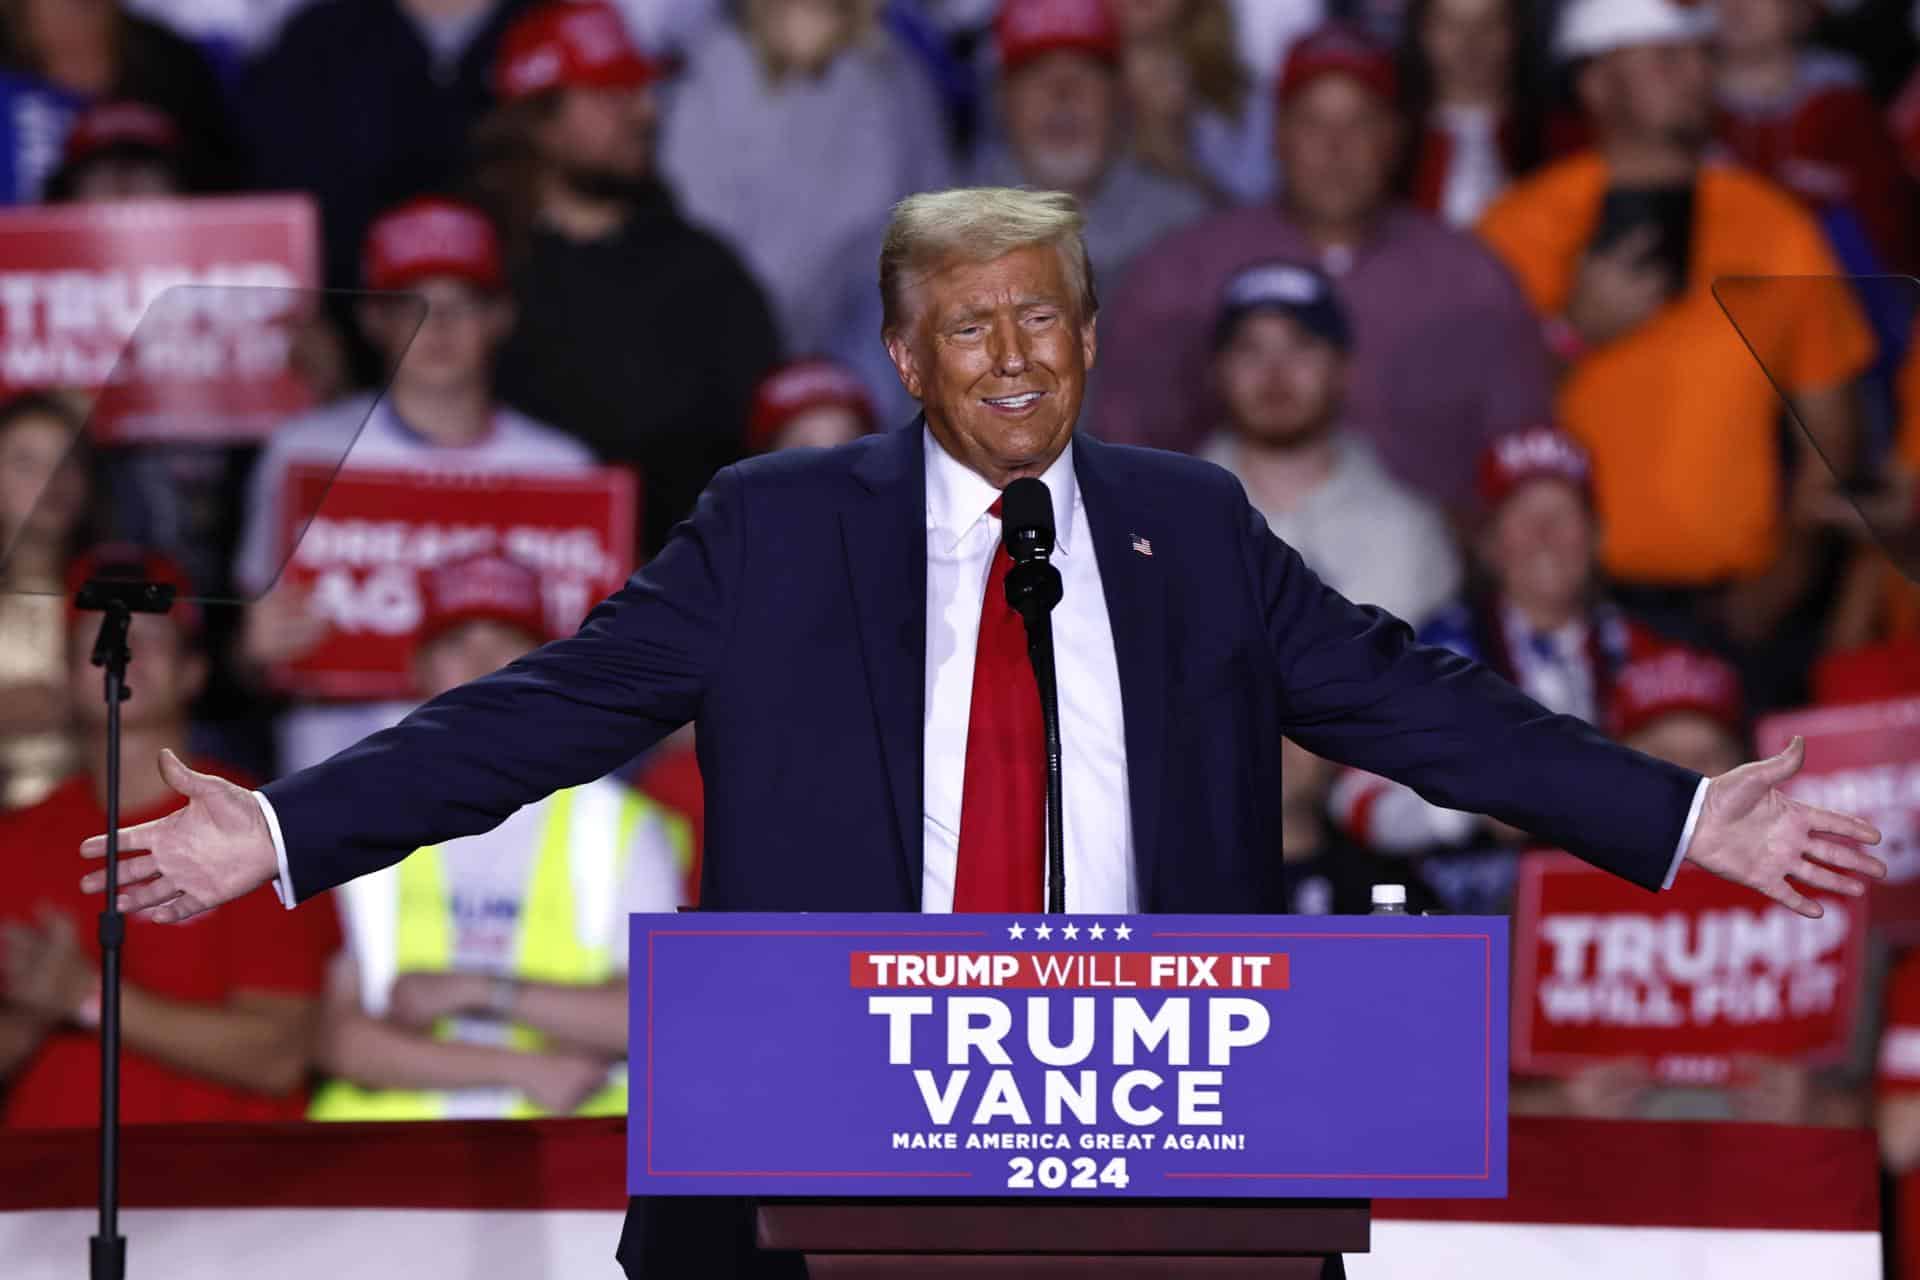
{"points": [[884, 535], [1123, 533]]}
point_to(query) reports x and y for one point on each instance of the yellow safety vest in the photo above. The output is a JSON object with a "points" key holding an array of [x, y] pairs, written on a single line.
{"points": [[573, 850]]}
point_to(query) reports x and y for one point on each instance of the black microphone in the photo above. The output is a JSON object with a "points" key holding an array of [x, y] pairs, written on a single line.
{"points": [[1026, 530], [1033, 589]]}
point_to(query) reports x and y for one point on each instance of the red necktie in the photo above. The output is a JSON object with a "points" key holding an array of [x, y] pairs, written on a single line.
{"points": [[1003, 801]]}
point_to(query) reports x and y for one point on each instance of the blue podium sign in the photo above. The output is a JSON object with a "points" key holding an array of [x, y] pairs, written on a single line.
{"points": [[977, 1055]]}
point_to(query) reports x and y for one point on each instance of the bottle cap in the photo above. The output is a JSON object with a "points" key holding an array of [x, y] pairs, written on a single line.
{"points": [[1389, 895]]}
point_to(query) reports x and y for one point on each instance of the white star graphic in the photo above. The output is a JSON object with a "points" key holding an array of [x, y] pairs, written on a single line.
{"points": [[1069, 931], [1043, 931], [1123, 931], [1096, 931], [1016, 930]]}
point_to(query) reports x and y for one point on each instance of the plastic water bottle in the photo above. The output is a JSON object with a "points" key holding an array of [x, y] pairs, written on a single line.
{"points": [[1389, 900]]}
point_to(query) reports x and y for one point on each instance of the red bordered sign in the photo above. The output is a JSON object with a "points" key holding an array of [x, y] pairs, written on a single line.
{"points": [[374, 533], [1687, 980]]}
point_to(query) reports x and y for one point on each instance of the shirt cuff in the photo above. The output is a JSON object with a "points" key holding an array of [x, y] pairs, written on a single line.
{"points": [[283, 885], [1679, 854]]}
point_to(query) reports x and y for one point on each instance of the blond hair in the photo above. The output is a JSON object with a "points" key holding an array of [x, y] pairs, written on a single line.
{"points": [[978, 224]]}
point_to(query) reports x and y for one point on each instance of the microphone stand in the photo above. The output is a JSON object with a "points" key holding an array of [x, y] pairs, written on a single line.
{"points": [[1033, 589], [117, 600]]}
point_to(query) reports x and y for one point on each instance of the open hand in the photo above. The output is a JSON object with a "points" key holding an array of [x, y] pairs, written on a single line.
{"points": [[1752, 833], [196, 858]]}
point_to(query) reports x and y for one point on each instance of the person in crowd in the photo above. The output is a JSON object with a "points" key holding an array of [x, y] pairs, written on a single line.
{"points": [[1539, 619], [1196, 114], [618, 294], [368, 103], [439, 417], [1447, 351], [1803, 116], [44, 488], [1281, 348], [218, 1021], [1065, 112], [808, 404], [98, 50], [119, 151], [1618, 248], [486, 977], [789, 133], [1478, 116]]}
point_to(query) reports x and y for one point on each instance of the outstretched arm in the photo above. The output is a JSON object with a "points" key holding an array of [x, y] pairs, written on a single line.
{"points": [[568, 713], [1356, 687]]}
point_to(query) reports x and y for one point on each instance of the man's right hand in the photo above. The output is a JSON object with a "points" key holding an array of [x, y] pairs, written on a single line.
{"points": [[1618, 288], [212, 851]]}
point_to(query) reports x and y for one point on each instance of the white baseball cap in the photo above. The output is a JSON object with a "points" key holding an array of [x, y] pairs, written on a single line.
{"points": [[1589, 28]]}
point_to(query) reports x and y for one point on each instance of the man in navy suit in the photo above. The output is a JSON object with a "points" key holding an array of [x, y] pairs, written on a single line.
{"points": [[833, 623]]}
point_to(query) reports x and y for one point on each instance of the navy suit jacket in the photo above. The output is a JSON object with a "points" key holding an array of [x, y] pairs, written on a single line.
{"points": [[787, 617]]}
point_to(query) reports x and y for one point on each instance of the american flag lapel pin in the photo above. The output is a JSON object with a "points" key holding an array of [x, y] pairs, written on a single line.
{"points": [[1141, 547]]}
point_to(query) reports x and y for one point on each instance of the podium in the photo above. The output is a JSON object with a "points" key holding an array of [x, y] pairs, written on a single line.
{"points": [[1117, 1240], [994, 1096]]}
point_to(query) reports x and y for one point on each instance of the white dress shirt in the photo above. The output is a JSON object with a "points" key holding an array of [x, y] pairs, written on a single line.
{"points": [[961, 540]]}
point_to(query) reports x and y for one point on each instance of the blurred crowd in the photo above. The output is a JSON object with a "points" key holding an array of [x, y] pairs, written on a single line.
{"points": [[1434, 278]]}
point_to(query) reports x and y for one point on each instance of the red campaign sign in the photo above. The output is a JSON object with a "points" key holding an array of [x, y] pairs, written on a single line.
{"points": [[1864, 759], [375, 532], [212, 361], [1687, 981]]}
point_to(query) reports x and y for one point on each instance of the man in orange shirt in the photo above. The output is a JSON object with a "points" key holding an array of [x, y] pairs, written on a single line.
{"points": [[1618, 248], [219, 1019]]}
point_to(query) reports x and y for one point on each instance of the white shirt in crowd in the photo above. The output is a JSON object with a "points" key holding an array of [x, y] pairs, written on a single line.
{"points": [[961, 540], [1368, 537], [309, 732]]}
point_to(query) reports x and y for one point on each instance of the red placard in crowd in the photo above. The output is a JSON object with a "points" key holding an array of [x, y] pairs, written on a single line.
{"points": [[1687, 981], [375, 532], [77, 281], [1864, 759]]}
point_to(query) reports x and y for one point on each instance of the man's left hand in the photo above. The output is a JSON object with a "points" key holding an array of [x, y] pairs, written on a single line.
{"points": [[1752, 833], [42, 967]]}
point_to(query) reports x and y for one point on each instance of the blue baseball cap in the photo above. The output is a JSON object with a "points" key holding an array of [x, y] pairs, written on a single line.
{"points": [[1302, 292]]}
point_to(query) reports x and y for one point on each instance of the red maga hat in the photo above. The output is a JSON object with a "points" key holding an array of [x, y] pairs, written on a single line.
{"points": [[486, 587], [1339, 48], [1513, 458], [432, 237], [1674, 679], [1026, 29], [794, 388], [107, 125], [569, 44]]}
